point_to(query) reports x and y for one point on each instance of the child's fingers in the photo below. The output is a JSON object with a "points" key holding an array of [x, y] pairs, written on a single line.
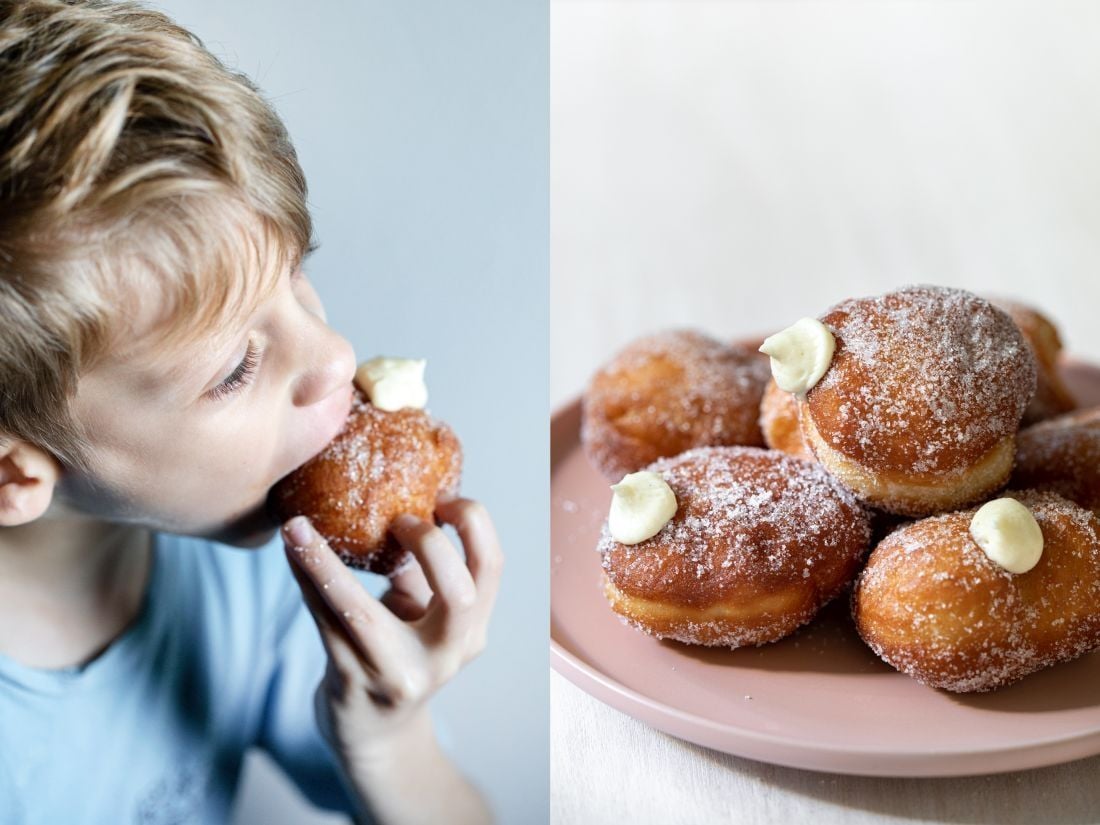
{"points": [[479, 538], [375, 631], [341, 650], [409, 593], [348, 665], [484, 558], [402, 605], [446, 574]]}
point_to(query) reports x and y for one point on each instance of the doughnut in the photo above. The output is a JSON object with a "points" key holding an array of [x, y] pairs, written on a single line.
{"points": [[918, 409], [380, 465], [779, 422], [669, 392], [1052, 397], [1062, 454], [933, 605], [759, 542]]}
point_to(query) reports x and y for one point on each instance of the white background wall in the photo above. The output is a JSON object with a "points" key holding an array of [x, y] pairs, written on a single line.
{"points": [[736, 165], [422, 129]]}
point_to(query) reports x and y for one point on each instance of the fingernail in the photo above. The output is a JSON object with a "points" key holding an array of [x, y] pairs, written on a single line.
{"points": [[299, 532], [405, 521]]}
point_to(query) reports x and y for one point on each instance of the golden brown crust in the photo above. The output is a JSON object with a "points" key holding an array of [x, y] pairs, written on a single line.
{"points": [[1062, 455], [779, 423], [734, 622], [760, 541], [382, 464], [924, 380], [1052, 396], [931, 604], [925, 390], [667, 393], [918, 494]]}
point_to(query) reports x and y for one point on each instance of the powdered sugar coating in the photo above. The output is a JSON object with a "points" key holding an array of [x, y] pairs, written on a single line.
{"points": [[931, 604], [1062, 455], [380, 465], [925, 380], [750, 524], [667, 393]]}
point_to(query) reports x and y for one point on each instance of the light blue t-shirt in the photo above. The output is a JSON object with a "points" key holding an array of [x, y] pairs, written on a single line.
{"points": [[222, 656]]}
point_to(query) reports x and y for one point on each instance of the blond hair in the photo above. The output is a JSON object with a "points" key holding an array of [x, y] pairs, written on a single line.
{"points": [[134, 167]]}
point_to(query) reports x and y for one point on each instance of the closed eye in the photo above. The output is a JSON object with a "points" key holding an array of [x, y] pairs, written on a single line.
{"points": [[241, 377]]}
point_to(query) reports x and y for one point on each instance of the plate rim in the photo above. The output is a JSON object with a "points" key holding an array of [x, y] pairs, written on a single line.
{"points": [[794, 753], [791, 752]]}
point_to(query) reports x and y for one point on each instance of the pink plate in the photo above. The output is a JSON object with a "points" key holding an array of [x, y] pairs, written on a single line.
{"points": [[819, 699]]}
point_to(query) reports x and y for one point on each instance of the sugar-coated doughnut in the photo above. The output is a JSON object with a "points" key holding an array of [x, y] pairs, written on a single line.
{"points": [[382, 464], [760, 541], [779, 422], [933, 605], [1062, 454], [667, 393], [1052, 396], [919, 407]]}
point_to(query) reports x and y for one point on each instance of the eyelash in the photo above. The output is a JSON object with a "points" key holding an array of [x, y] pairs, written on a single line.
{"points": [[240, 377], [244, 373]]}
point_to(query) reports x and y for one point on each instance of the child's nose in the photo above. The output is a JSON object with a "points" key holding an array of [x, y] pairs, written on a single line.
{"points": [[331, 369]]}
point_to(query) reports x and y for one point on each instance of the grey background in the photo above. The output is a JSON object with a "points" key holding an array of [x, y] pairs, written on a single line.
{"points": [[423, 130]]}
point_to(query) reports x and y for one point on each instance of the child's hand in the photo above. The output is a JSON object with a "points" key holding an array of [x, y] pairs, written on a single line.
{"points": [[386, 657]]}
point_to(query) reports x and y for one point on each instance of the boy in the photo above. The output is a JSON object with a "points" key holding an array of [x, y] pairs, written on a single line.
{"points": [[163, 361]]}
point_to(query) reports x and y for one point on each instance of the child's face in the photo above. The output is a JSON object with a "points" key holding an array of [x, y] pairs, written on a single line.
{"points": [[179, 448]]}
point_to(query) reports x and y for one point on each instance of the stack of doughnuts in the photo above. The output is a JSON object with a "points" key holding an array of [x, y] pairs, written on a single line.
{"points": [[891, 426]]}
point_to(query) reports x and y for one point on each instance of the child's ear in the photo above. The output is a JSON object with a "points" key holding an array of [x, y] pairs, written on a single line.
{"points": [[28, 476]]}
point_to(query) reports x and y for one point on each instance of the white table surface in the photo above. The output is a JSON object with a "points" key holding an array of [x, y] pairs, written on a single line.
{"points": [[736, 165]]}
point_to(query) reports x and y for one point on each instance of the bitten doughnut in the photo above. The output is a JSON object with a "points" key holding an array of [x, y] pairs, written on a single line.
{"points": [[667, 393], [779, 422], [935, 605], [1062, 454], [918, 409], [382, 464], [1052, 397], [758, 543]]}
